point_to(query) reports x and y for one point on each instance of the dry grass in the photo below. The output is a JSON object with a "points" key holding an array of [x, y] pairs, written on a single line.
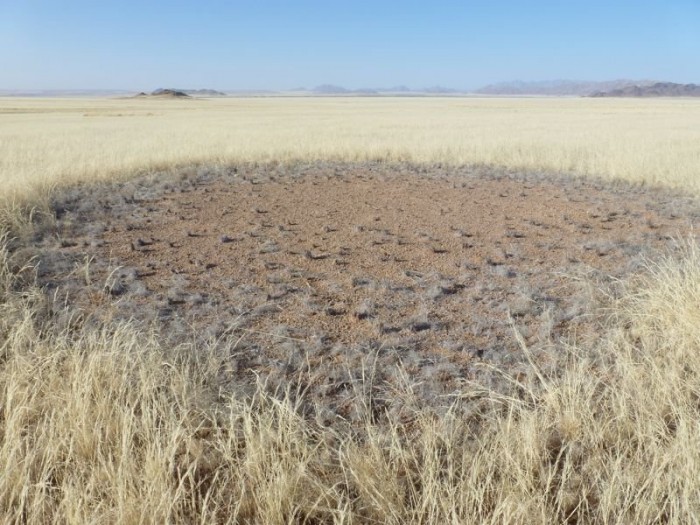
{"points": [[52, 141], [104, 425]]}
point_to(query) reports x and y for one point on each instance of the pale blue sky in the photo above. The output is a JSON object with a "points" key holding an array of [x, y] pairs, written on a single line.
{"points": [[277, 44]]}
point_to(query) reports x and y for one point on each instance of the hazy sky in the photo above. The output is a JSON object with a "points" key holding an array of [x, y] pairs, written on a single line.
{"points": [[141, 45]]}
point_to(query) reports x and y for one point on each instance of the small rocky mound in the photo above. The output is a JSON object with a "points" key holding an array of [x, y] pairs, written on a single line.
{"points": [[169, 93], [163, 93]]}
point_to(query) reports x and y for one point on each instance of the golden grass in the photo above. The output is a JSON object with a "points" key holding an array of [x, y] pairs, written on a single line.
{"points": [[51, 141], [105, 425]]}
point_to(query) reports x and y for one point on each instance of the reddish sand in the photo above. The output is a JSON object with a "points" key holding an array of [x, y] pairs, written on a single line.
{"points": [[328, 262]]}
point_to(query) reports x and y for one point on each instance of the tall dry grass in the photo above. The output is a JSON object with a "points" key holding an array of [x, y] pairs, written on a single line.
{"points": [[105, 425]]}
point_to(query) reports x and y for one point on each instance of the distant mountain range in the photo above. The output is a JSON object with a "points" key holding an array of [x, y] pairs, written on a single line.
{"points": [[558, 87], [658, 89], [576, 88], [612, 88], [330, 89]]}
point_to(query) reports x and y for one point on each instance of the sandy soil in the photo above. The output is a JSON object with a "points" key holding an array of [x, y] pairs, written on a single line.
{"points": [[332, 272]]}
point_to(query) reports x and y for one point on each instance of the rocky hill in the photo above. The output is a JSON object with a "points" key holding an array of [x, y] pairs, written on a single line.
{"points": [[187, 92], [163, 93]]}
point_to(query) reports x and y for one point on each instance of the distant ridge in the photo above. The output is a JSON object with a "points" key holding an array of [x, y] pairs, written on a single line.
{"points": [[331, 89], [659, 89], [174, 93], [163, 93], [558, 87], [612, 88]]}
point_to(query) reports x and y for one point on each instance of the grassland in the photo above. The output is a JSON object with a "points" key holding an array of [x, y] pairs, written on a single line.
{"points": [[50, 141], [106, 425]]}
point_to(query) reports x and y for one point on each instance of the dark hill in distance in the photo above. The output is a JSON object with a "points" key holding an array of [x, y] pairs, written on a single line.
{"points": [[659, 89], [163, 93], [558, 87], [174, 93], [183, 93]]}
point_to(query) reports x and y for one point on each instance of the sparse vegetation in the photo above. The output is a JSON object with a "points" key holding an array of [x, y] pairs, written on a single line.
{"points": [[101, 421]]}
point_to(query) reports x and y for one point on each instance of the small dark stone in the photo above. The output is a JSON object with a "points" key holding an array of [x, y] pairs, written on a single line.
{"points": [[336, 309], [421, 326], [316, 256]]}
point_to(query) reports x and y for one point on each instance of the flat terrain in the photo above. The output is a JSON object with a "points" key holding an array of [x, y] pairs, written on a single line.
{"points": [[325, 267], [49, 142]]}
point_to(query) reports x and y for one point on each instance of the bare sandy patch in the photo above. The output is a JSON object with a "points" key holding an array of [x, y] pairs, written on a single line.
{"points": [[336, 271]]}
